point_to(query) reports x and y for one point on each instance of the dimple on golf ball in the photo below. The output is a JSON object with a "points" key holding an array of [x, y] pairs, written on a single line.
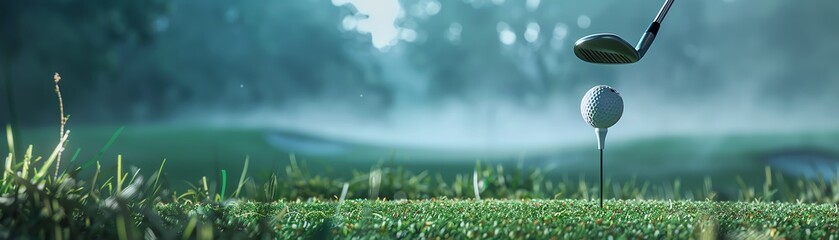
{"points": [[602, 106]]}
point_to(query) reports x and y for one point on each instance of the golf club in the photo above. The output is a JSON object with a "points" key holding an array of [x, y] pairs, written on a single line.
{"points": [[611, 49]]}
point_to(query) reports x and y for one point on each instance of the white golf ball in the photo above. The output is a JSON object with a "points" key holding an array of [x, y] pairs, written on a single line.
{"points": [[602, 106]]}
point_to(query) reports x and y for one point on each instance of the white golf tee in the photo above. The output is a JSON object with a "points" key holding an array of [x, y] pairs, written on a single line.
{"points": [[601, 137]]}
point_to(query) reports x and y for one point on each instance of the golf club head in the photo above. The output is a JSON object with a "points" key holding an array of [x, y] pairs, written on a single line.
{"points": [[605, 48]]}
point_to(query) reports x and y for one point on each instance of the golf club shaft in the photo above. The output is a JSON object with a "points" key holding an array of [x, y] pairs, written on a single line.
{"points": [[649, 36], [601, 178], [663, 11]]}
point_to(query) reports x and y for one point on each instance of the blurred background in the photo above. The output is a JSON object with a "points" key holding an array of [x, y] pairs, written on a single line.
{"points": [[729, 87]]}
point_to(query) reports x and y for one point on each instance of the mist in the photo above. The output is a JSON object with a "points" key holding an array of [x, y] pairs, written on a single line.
{"points": [[466, 74]]}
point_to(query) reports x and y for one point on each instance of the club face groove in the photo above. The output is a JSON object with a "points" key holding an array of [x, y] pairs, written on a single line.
{"points": [[595, 56], [606, 49]]}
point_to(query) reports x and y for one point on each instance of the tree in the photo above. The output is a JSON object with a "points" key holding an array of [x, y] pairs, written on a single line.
{"points": [[75, 37]]}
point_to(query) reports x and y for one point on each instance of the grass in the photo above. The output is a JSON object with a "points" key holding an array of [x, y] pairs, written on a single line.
{"points": [[689, 158], [521, 219], [518, 202], [658, 160]]}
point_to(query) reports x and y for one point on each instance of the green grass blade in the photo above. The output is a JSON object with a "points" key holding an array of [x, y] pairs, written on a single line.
{"points": [[157, 178], [11, 158], [95, 177], [122, 231], [107, 184], [119, 173], [206, 188], [8, 168], [76, 154], [40, 173], [134, 177], [104, 148], [10, 139], [223, 183], [242, 178], [189, 228], [27, 161]]}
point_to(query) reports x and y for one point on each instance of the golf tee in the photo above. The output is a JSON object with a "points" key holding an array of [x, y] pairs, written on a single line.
{"points": [[601, 137]]}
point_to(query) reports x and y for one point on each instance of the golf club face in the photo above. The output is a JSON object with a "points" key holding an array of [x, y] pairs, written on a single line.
{"points": [[605, 48]]}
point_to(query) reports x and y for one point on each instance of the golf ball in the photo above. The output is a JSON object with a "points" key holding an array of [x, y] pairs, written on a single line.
{"points": [[602, 106]]}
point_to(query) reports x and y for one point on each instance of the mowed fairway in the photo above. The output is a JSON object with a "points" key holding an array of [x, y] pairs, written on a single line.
{"points": [[192, 153], [520, 219]]}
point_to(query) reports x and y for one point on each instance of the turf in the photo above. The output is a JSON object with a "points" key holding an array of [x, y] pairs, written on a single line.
{"points": [[655, 159], [125, 204], [522, 219]]}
